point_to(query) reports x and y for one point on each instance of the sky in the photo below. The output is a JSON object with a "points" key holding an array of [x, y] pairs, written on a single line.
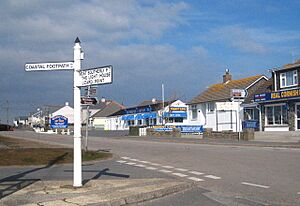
{"points": [[185, 45]]}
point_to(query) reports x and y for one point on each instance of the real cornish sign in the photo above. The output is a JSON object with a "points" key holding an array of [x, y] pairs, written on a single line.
{"points": [[29, 67]]}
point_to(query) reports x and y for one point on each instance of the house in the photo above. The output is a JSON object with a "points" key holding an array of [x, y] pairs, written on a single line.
{"points": [[279, 99], [101, 119], [221, 106], [66, 111]]}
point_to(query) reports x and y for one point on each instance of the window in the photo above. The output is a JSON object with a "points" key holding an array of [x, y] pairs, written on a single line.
{"points": [[210, 107], [289, 79], [194, 112], [276, 115]]}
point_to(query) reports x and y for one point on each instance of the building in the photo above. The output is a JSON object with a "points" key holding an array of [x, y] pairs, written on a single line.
{"points": [[149, 113], [101, 119], [279, 100], [222, 106]]}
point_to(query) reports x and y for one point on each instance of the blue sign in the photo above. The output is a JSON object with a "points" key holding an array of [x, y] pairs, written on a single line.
{"points": [[250, 124], [58, 122], [287, 94], [163, 129], [176, 114], [190, 128]]}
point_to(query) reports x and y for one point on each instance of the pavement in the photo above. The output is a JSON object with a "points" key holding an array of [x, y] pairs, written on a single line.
{"points": [[94, 192]]}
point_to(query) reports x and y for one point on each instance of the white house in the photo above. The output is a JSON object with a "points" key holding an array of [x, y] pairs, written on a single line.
{"points": [[217, 109]]}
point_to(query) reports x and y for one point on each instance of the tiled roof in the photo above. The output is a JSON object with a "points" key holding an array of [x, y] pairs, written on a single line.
{"points": [[222, 91], [110, 108]]}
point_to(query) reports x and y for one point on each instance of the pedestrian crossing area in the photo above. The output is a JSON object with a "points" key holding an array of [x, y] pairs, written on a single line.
{"points": [[192, 175]]}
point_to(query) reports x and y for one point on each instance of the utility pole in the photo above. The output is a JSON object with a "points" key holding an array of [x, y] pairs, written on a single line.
{"points": [[7, 111]]}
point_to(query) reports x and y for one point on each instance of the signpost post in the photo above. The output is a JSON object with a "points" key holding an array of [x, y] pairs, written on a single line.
{"points": [[239, 94], [94, 76]]}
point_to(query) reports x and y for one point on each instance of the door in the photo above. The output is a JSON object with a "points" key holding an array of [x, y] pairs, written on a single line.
{"points": [[297, 117]]}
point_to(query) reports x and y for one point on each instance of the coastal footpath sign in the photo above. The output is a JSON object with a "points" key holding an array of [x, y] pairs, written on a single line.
{"points": [[29, 67]]}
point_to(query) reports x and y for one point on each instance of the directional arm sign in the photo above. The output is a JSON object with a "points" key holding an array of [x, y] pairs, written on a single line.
{"points": [[95, 76], [49, 66]]}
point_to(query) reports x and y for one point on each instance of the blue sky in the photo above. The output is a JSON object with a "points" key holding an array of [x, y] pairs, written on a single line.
{"points": [[187, 45]]}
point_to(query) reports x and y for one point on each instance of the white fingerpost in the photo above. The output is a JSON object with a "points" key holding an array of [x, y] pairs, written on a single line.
{"points": [[77, 170]]}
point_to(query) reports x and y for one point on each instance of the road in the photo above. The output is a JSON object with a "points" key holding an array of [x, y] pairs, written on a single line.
{"points": [[232, 175]]}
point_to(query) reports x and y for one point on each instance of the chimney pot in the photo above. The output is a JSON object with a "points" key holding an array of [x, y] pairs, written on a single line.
{"points": [[227, 76]]}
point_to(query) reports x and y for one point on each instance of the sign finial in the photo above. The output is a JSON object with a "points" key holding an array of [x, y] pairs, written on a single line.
{"points": [[77, 40]]}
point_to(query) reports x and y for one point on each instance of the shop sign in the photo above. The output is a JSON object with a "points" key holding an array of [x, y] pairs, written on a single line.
{"points": [[175, 114], [250, 124], [59, 121], [138, 110], [225, 106], [287, 94], [177, 109], [238, 93]]}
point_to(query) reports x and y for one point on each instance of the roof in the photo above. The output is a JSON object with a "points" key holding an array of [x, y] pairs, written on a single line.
{"points": [[221, 91], [288, 66], [109, 108], [148, 102]]}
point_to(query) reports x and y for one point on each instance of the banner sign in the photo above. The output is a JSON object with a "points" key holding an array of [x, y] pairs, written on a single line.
{"points": [[183, 128], [29, 67], [95, 76], [287, 94], [190, 128], [59, 121]]}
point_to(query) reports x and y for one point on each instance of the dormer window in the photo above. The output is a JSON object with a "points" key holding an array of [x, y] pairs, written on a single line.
{"points": [[289, 79]]}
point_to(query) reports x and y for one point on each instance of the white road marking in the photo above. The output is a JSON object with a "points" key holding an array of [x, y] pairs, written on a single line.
{"points": [[165, 171], [134, 159], [140, 165], [298, 193], [181, 169], [121, 161], [213, 177], [168, 167], [155, 164], [130, 163], [145, 162], [151, 168], [196, 179], [126, 158], [179, 174], [255, 185], [196, 173]]}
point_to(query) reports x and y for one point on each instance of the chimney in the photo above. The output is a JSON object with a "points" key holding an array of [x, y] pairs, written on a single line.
{"points": [[227, 76]]}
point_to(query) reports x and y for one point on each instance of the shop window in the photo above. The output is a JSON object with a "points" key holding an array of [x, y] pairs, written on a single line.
{"points": [[276, 115], [178, 119], [194, 112], [251, 114], [289, 79]]}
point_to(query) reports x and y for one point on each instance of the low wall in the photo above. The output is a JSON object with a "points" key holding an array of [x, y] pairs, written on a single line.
{"points": [[246, 134], [174, 133]]}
